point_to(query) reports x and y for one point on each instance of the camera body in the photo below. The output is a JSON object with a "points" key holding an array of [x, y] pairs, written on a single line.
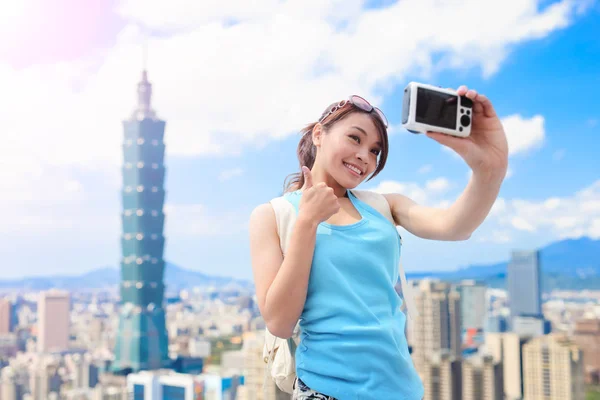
{"points": [[428, 108]]}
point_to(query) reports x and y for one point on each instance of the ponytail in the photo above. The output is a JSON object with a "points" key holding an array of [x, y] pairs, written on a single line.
{"points": [[306, 153]]}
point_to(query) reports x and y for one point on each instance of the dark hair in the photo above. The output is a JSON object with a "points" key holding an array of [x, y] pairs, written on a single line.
{"points": [[307, 151]]}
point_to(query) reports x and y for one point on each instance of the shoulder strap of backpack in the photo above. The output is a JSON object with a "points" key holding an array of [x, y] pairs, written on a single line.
{"points": [[285, 216], [380, 203]]}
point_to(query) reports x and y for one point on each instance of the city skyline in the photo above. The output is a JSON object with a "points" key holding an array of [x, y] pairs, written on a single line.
{"points": [[230, 122]]}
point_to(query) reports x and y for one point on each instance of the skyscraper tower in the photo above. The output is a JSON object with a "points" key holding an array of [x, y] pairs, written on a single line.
{"points": [[524, 284], [142, 341]]}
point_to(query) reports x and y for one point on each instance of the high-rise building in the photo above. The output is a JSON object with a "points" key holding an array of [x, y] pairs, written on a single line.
{"points": [[6, 312], [587, 337], [54, 321], [507, 349], [442, 376], [524, 284], [438, 325], [142, 341], [482, 378], [473, 304], [533, 326], [553, 367]]}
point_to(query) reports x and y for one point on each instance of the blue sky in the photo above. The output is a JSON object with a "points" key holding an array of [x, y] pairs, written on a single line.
{"points": [[234, 96]]}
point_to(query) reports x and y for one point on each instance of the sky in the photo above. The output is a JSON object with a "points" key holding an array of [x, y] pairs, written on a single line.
{"points": [[235, 82]]}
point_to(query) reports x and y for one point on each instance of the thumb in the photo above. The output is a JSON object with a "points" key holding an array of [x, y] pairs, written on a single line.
{"points": [[308, 182], [459, 145]]}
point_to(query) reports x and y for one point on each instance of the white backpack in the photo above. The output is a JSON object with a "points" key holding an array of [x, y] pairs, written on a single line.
{"points": [[278, 353]]}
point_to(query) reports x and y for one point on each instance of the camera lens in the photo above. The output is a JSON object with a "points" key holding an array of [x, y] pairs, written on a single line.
{"points": [[465, 120]]}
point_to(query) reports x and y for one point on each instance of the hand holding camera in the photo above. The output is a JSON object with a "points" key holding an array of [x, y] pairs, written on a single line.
{"points": [[462, 120]]}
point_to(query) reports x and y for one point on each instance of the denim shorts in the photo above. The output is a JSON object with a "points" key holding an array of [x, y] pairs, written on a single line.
{"points": [[303, 392]]}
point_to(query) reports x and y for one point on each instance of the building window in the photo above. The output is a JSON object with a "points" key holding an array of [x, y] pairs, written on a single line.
{"points": [[127, 213], [128, 189], [154, 142], [138, 392], [154, 166], [140, 164], [139, 236], [126, 284], [153, 285], [127, 236], [139, 285], [173, 392], [154, 260], [140, 141], [154, 213], [154, 236], [139, 212], [151, 307], [139, 261], [154, 189], [128, 165], [140, 188]]}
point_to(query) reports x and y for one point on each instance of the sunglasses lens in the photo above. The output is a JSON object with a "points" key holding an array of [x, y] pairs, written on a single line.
{"points": [[382, 116], [361, 103]]}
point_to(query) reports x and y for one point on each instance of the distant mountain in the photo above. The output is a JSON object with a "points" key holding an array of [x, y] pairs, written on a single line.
{"points": [[175, 278], [571, 264]]}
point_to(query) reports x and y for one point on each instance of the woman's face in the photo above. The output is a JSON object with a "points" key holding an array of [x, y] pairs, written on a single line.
{"points": [[349, 150]]}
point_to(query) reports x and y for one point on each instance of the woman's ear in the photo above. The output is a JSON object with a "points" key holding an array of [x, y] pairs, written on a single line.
{"points": [[317, 133]]}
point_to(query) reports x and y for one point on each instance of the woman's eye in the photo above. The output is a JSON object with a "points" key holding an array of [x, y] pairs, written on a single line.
{"points": [[376, 152], [356, 138]]}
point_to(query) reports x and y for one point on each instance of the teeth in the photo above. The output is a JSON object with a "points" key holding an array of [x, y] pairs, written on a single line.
{"points": [[353, 168]]}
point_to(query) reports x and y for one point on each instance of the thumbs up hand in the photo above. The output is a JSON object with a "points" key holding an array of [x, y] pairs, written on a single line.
{"points": [[318, 202]]}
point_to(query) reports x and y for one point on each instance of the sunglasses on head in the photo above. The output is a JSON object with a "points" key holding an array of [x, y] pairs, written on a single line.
{"points": [[361, 104]]}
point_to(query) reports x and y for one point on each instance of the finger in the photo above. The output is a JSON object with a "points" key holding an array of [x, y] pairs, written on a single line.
{"points": [[471, 94], [462, 90], [459, 145], [484, 105], [308, 182]]}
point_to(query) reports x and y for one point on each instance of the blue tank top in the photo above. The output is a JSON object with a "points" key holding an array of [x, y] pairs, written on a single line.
{"points": [[352, 343]]}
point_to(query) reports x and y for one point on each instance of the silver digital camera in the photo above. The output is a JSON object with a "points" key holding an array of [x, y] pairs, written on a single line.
{"points": [[428, 108]]}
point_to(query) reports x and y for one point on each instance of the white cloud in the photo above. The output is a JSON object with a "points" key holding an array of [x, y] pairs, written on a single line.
{"points": [[522, 225], [432, 193], [438, 185], [497, 236], [523, 135], [560, 217], [196, 220], [223, 71], [230, 173], [563, 217], [231, 75]]}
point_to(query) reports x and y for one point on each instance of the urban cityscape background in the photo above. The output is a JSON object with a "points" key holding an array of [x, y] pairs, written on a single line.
{"points": [[138, 136]]}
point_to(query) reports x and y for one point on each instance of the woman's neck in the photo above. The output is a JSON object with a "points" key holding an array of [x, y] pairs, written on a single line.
{"points": [[319, 175]]}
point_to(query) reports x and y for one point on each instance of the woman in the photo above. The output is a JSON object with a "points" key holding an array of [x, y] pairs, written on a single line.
{"points": [[340, 267]]}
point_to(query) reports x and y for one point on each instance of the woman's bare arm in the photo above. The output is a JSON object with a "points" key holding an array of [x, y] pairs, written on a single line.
{"points": [[281, 284]]}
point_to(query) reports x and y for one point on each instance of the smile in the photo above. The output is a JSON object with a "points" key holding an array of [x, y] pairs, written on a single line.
{"points": [[355, 170]]}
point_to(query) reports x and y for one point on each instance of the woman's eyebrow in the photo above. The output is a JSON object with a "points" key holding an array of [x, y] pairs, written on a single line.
{"points": [[364, 133]]}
